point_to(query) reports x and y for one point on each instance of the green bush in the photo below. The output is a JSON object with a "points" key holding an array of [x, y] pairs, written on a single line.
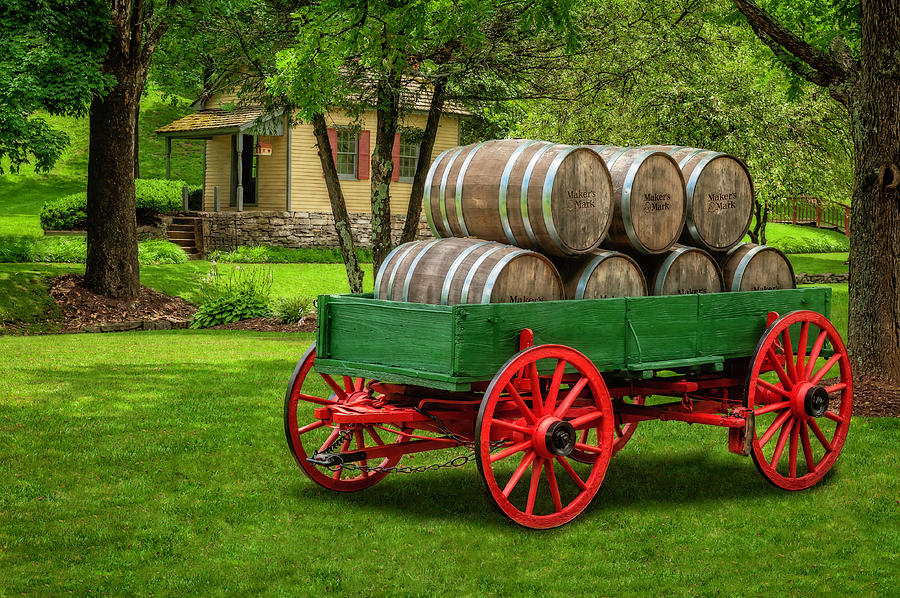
{"points": [[152, 197], [290, 310], [73, 250], [244, 293], [263, 254], [821, 244], [160, 251]]}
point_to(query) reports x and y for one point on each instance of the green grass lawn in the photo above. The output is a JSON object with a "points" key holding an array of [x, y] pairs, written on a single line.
{"points": [[155, 463], [804, 239], [819, 263]]}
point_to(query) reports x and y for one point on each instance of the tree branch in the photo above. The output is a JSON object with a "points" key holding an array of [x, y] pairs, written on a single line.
{"points": [[805, 60]]}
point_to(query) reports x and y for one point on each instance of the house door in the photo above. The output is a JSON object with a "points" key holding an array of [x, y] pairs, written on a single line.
{"points": [[248, 170]]}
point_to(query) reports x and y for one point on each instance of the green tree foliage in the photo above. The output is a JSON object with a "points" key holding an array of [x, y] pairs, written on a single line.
{"points": [[50, 54]]}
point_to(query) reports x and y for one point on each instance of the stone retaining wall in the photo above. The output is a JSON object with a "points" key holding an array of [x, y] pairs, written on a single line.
{"points": [[228, 230], [826, 278]]}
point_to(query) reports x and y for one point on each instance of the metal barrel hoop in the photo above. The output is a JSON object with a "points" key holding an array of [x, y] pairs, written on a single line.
{"points": [[460, 179], [626, 201], [443, 193], [589, 270], [412, 267], [390, 286], [691, 185], [448, 279], [664, 267], [379, 275], [547, 195], [498, 267], [426, 197], [502, 204], [526, 180], [464, 295]]}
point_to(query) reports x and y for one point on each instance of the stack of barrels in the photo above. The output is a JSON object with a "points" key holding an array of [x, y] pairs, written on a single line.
{"points": [[517, 220]]}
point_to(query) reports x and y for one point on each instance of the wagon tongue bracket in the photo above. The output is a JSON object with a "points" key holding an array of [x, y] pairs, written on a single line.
{"points": [[335, 459]]}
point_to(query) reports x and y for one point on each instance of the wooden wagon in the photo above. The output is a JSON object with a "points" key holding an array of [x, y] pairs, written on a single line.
{"points": [[546, 393]]}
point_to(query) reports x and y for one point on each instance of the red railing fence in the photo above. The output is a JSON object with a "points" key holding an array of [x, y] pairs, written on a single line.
{"points": [[809, 210]]}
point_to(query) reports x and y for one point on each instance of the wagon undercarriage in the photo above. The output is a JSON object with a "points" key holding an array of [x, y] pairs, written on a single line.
{"points": [[543, 430]]}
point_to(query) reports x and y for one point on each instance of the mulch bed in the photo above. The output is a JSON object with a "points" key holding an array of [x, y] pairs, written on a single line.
{"points": [[269, 325], [85, 311], [878, 401]]}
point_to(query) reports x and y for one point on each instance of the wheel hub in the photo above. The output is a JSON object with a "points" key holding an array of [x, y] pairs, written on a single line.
{"points": [[558, 438], [815, 402]]}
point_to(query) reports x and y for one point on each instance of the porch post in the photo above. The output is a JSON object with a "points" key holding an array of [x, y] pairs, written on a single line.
{"points": [[168, 158], [239, 148], [287, 137]]}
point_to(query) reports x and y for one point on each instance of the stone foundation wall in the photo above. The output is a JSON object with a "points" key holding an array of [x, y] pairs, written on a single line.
{"points": [[827, 278], [228, 230]]}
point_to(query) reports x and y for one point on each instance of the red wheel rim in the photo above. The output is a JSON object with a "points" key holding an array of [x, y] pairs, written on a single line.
{"points": [[522, 428], [305, 393], [801, 423], [623, 433]]}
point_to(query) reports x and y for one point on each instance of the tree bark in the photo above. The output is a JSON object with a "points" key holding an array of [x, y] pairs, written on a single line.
{"points": [[874, 328], [414, 209], [338, 205], [388, 116], [137, 136]]}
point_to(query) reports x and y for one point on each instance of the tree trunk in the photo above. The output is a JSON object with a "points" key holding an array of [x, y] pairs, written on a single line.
{"points": [[137, 136], [757, 232], [874, 331], [112, 256], [414, 210], [338, 206], [388, 111]]}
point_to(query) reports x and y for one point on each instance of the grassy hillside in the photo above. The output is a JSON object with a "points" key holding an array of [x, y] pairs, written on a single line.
{"points": [[23, 194]]}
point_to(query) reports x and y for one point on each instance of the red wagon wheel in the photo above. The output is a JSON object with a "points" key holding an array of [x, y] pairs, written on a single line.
{"points": [[305, 393], [791, 404], [538, 432], [623, 433]]}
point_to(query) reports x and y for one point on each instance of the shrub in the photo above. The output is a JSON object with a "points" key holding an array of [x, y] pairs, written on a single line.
{"points": [[160, 251], [152, 197], [242, 294], [290, 310], [262, 254]]}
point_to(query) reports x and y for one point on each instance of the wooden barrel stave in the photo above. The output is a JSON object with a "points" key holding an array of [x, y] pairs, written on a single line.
{"points": [[602, 274], [681, 271], [752, 267]]}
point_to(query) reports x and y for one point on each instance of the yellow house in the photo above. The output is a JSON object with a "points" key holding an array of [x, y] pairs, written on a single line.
{"points": [[254, 163]]}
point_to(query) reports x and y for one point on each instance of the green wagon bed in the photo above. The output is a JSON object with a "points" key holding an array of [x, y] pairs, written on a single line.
{"points": [[450, 347]]}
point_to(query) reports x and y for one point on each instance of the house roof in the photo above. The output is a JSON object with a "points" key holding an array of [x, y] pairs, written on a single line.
{"points": [[215, 121]]}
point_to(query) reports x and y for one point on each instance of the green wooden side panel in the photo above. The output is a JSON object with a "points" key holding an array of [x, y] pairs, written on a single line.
{"points": [[734, 322], [661, 328], [411, 336], [486, 336]]}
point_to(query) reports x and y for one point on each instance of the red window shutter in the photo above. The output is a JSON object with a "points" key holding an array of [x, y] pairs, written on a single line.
{"points": [[395, 156], [332, 141], [363, 158]]}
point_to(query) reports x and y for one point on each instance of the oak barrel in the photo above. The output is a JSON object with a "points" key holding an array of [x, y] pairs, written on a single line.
{"points": [[752, 267], [720, 197], [682, 271], [602, 274], [648, 199], [533, 194], [465, 270]]}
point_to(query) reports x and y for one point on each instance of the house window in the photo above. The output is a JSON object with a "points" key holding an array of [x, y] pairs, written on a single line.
{"points": [[346, 153], [409, 158]]}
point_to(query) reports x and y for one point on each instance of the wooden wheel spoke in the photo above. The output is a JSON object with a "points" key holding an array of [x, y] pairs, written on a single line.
{"points": [[536, 399], [835, 387], [570, 397], [586, 420], [834, 417], [782, 440], [527, 458], [619, 431], [588, 448], [554, 488], [814, 354], [792, 450], [310, 427], [584, 435], [771, 407], [510, 450], [800, 365], [807, 449], [359, 384], [349, 383], [533, 486], [316, 400], [572, 474], [337, 474], [778, 369], [374, 435], [776, 389], [361, 446], [523, 408], [779, 421], [824, 369], [341, 394], [555, 381], [788, 354], [506, 425], [330, 440], [818, 432]]}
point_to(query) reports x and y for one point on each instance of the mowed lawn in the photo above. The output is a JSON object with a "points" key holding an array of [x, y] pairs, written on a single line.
{"points": [[155, 463]]}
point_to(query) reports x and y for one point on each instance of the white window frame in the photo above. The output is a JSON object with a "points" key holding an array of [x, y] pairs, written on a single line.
{"points": [[355, 153], [418, 145]]}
